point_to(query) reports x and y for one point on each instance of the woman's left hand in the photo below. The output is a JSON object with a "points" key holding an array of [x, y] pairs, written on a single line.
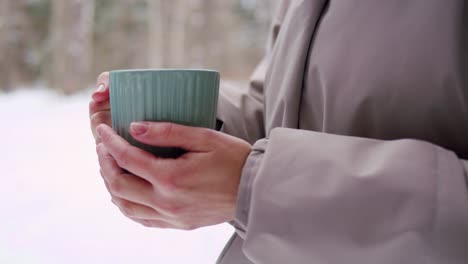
{"points": [[195, 190]]}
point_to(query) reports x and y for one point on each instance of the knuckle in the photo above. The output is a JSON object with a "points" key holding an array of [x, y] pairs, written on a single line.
{"points": [[145, 158], [172, 209], [172, 177], [98, 119], [105, 137], [92, 106], [121, 156], [208, 136], [115, 187], [99, 108], [208, 133], [101, 152], [169, 183], [146, 223], [154, 203], [166, 130], [108, 176], [127, 209], [95, 121]]}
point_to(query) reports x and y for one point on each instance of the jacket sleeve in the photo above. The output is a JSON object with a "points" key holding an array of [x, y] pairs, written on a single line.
{"points": [[308, 197], [241, 110]]}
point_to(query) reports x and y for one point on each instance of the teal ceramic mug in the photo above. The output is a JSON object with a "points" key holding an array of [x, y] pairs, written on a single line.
{"points": [[183, 96]]}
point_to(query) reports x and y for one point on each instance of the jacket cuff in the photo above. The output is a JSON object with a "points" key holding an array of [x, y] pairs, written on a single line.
{"points": [[249, 172]]}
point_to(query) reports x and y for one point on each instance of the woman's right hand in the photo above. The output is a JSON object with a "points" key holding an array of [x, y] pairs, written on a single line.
{"points": [[99, 107]]}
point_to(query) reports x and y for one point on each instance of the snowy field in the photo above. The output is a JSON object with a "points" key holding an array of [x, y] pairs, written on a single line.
{"points": [[53, 204]]}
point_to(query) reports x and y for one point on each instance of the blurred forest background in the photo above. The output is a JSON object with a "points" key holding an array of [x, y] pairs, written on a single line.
{"points": [[65, 44], [52, 48]]}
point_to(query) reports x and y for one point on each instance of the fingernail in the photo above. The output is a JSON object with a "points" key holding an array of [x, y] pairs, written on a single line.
{"points": [[101, 88], [138, 128]]}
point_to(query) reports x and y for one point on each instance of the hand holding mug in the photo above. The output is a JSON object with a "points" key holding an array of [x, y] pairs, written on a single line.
{"points": [[194, 190], [148, 180]]}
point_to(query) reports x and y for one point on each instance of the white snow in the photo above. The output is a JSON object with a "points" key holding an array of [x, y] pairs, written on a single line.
{"points": [[54, 207]]}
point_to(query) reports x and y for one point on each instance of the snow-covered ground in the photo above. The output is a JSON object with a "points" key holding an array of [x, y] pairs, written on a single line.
{"points": [[53, 205]]}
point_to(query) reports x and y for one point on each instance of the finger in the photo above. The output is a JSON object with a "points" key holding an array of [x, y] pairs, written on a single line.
{"points": [[133, 159], [102, 88], [121, 184], [97, 119], [135, 210], [145, 217], [195, 139]]}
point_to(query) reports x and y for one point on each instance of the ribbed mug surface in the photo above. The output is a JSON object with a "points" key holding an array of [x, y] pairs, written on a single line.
{"points": [[183, 96]]}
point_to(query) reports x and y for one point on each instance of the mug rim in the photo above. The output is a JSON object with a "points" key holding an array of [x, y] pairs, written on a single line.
{"points": [[165, 70]]}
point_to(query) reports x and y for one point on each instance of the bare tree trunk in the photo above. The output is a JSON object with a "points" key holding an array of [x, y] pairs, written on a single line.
{"points": [[71, 44], [167, 32], [157, 44], [178, 33], [4, 76], [209, 13], [14, 28]]}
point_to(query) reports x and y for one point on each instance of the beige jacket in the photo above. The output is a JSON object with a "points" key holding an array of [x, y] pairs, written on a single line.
{"points": [[359, 119]]}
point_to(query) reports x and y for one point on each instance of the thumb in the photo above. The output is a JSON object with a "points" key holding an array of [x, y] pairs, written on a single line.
{"points": [[195, 139]]}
